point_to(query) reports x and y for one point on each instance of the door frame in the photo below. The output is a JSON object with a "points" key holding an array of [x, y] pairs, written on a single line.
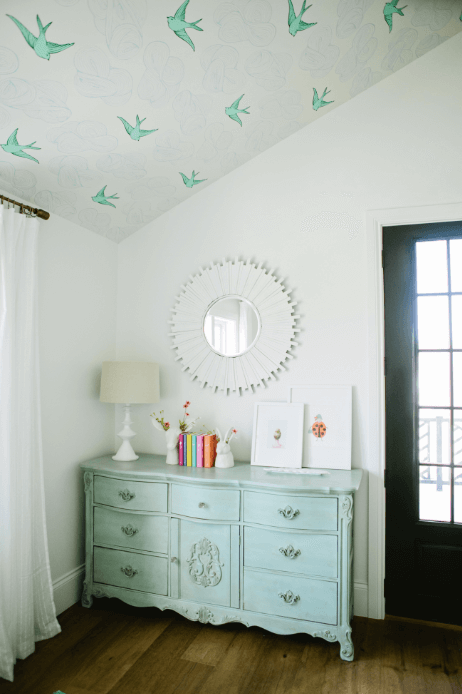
{"points": [[375, 221]]}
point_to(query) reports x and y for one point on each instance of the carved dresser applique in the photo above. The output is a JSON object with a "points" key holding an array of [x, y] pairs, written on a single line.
{"points": [[204, 563], [205, 615]]}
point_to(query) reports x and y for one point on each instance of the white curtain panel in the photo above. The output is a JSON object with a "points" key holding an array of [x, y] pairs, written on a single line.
{"points": [[27, 610]]}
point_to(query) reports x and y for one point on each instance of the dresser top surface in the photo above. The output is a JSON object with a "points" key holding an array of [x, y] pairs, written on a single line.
{"points": [[242, 475]]}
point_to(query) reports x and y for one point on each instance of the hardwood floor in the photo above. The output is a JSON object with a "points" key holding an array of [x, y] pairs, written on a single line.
{"points": [[114, 648]]}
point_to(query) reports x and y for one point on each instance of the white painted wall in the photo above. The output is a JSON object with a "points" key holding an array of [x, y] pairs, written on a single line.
{"points": [[77, 305], [300, 208]]}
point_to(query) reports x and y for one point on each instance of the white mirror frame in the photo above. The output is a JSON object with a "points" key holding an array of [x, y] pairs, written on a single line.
{"points": [[277, 326]]}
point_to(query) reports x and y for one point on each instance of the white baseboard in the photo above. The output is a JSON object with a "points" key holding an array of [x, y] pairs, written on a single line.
{"points": [[360, 598], [67, 590]]}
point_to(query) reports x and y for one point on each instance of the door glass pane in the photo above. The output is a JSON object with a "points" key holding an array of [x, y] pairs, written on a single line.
{"points": [[455, 252], [458, 494], [432, 271], [434, 493], [456, 321], [434, 379], [433, 322], [435, 436], [457, 437], [457, 376]]}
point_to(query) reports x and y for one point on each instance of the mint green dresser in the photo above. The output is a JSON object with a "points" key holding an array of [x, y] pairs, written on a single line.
{"points": [[224, 545]]}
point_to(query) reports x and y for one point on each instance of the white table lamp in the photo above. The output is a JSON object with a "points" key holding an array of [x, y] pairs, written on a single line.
{"points": [[129, 383]]}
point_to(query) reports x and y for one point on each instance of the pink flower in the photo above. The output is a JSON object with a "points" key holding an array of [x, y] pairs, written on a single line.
{"points": [[166, 425], [234, 431], [187, 404], [187, 414]]}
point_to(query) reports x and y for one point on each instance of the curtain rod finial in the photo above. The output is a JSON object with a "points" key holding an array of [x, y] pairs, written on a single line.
{"points": [[42, 214]]}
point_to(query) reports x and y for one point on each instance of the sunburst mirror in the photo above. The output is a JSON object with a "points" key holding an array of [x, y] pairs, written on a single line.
{"points": [[233, 326]]}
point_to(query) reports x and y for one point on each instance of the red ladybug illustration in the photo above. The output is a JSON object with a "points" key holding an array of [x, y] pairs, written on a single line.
{"points": [[318, 428]]}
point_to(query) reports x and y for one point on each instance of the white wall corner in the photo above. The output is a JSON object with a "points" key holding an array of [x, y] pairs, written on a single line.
{"points": [[67, 590], [360, 596]]}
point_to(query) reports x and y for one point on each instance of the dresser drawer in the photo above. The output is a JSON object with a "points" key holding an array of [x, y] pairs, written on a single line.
{"points": [[139, 496], [209, 504], [315, 555], [290, 596], [286, 511], [130, 570], [131, 530]]}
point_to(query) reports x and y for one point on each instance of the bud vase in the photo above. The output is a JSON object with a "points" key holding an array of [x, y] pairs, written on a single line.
{"points": [[171, 436]]}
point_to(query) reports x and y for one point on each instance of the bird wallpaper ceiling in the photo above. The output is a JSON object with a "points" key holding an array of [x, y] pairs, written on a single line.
{"points": [[114, 111]]}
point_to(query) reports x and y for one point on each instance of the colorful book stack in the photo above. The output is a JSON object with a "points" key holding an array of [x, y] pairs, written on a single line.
{"points": [[197, 450]]}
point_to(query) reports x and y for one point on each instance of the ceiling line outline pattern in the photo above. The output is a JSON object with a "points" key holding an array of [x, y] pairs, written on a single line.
{"points": [[139, 62]]}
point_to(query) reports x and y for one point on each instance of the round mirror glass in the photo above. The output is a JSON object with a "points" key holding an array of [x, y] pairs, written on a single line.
{"points": [[231, 326]]}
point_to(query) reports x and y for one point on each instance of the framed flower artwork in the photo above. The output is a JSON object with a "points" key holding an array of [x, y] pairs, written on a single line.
{"points": [[327, 428], [277, 438]]}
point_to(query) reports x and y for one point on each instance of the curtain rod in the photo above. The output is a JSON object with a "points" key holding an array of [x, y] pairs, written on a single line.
{"points": [[34, 211]]}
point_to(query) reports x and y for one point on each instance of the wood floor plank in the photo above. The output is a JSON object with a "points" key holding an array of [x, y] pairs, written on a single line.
{"points": [[391, 658], [434, 661], [161, 668], [234, 673], [75, 660], [321, 669], [123, 650], [211, 644], [453, 651], [76, 623], [367, 642], [278, 665], [121, 654]]}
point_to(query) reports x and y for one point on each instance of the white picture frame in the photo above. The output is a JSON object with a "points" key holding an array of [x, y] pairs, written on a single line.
{"points": [[329, 444], [277, 437]]}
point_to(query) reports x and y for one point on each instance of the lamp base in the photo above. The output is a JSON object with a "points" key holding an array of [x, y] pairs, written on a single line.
{"points": [[126, 452]]}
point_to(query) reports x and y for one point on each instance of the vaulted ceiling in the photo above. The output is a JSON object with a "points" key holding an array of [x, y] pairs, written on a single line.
{"points": [[80, 88]]}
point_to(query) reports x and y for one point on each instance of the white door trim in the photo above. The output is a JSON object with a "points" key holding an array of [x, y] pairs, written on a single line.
{"points": [[375, 220]]}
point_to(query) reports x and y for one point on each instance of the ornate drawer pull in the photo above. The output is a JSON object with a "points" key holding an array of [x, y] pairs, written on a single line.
{"points": [[288, 512], [201, 505], [129, 530], [174, 560], [290, 552], [128, 571], [127, 495], [289, 597]]}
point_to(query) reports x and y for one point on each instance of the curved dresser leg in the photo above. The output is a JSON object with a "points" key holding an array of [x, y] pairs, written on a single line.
{"points": [[347, 651], [87, 598]]}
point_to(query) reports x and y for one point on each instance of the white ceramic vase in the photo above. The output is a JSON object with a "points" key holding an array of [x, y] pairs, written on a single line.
{"points": [[171, 436]]}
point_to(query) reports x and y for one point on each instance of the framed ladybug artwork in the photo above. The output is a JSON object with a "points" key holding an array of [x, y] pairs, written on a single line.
{"points": [[327, 429]]}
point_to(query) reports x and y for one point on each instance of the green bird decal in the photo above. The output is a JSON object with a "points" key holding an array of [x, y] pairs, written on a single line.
{"points": [[190, 182], [13, 148], [234, 109], [41, 46], [296, 23], [135, 132], [390, 9], [178, 24], [102, 199], [318, 102]]}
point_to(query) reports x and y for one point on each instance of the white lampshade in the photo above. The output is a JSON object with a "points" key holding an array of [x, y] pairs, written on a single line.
{"points": [[134, 382]]}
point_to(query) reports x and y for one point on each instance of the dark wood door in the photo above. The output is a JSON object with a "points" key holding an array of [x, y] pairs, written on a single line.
{"points": [[423, 398]]}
